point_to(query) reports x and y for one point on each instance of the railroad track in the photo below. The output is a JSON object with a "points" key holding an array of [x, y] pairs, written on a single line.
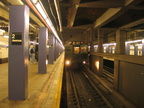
{"points": [[107, 75], [82, 92]]}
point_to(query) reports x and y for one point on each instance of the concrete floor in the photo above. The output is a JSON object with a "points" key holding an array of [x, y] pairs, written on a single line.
{"points": [[44, 90]]}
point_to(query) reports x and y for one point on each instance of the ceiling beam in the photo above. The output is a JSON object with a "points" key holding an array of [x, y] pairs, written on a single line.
{"points": [[18, 2], [84, 27], [4, 14], [72, 12], [113, 13], [106, 17], [103, 4], [135, 23], [65, 4]]}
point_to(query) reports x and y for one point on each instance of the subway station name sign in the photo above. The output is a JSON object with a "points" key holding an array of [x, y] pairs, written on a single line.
{"points": [[16, 38]]}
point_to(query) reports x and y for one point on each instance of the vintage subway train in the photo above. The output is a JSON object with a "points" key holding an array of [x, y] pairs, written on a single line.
{"points": [[76, 54]]}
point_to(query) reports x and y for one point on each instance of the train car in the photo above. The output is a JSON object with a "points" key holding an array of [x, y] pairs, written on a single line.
{"points": [[76, 54]]}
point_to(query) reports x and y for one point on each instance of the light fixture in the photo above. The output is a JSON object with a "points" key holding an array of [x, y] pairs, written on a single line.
{"points": [[31, 42], [97, 65], [95, 45], [34, 1], [3, 44], [46, 61], [2, 30], [134, 41], [6, 36], [58, 13], [106, 44], [45, 17], [41, 10]]}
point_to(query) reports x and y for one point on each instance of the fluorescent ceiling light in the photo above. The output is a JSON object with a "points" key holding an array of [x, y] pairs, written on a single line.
{"points": [[48, 22], [109, 44], [41, 10], [6, 36], [2, 30], [134, 41], [58, 11], [95, 45], [46, 18], [34, 1]]}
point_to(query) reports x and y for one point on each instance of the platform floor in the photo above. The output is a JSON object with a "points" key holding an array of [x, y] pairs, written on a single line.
{"points": [[44, 90]]}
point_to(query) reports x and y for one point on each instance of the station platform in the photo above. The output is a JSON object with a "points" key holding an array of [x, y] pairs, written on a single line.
{"points": [[44, 90]]}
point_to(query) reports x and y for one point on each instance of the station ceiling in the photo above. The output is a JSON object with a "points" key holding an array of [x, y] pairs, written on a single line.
{"points": [[77, 16]]}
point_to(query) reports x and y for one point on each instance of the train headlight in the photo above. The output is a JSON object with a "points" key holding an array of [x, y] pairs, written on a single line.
{"points": [[84, 62], [67, 62]]}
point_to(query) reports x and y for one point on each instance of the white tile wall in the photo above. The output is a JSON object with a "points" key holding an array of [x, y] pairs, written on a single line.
{"points": [[3, 51]]}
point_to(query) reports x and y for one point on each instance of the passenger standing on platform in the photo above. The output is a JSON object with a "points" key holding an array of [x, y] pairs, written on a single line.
{"points": [[32, 54]]}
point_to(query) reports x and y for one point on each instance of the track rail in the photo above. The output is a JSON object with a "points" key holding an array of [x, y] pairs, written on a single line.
{"points": [[95, 87], [116, 99], [107, 75], [75, 91], [82, 92]]}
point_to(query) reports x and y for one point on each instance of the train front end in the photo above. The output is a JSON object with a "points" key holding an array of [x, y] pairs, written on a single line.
{"points": [[76, 54]]}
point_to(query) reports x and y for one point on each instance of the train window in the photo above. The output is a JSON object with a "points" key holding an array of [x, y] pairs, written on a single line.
{"points": [[77, 43], [73, 43], [76, 50], [83, 49], [68, 50]]}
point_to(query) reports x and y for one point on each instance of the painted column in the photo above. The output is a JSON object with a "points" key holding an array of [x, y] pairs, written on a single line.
{"points": [[92, 47], [58, 50], [120, 49], [107, 49], [92, 40], [18, 53], [55, 49], [136, 50], [120, 41], [100, 41], [51, 48], [116, 75], [100, 50], [42, 53], [142, 47], [127, 48]]}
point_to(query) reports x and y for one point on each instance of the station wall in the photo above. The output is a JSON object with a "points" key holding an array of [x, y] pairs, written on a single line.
{"points": [[131, 78], [3, 49]]}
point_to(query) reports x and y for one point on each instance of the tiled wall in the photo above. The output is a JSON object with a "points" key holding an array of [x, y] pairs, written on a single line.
{"points": [[3, 49]]}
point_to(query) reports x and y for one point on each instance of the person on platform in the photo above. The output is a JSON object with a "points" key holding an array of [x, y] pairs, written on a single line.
{"points": [[32, 54]]}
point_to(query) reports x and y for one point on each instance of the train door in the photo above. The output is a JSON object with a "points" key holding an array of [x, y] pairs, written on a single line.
{"points": [[76, 53]]}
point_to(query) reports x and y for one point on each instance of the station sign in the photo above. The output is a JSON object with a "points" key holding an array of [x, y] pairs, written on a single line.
{"points": [[16, 38]]}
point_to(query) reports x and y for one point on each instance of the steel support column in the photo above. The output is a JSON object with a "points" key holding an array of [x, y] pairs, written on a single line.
{"points": [[18, 53], [120, 49], [42, 53], [51, 48]]}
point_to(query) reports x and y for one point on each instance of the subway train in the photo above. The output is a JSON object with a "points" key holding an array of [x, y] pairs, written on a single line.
{"points": [[76, 54]]}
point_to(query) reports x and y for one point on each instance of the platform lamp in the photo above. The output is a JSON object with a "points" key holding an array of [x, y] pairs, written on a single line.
{"points": [[41, 10]]}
